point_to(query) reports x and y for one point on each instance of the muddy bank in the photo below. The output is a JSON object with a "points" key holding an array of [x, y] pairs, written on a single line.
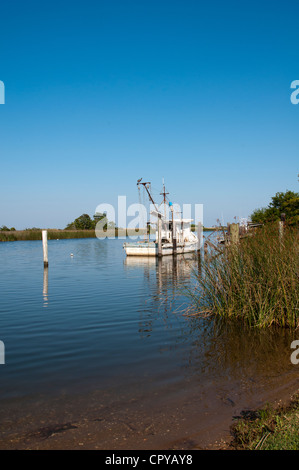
{"points": [[178, 417]]}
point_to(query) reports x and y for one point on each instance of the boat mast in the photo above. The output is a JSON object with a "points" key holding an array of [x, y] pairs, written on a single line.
{"points": [[164, 198]]}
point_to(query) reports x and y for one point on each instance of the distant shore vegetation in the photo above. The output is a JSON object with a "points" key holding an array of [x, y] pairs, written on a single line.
{"points": [[85, 222], [82, 227]]}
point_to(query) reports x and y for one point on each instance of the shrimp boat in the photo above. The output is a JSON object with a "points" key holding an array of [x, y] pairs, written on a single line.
{"points": [[172, 236]]}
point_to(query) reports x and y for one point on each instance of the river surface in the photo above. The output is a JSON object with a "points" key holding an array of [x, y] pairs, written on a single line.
{"points": [[100, 353]]}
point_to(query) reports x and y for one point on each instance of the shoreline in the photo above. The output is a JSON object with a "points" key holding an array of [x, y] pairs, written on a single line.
{"points": [[60, 234], [103, 420]]}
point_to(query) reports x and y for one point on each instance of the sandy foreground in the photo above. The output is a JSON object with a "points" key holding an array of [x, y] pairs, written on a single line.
{"points": [[105, 420]]}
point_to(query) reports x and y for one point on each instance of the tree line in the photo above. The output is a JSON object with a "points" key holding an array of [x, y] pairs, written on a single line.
{"points": [[282, 203], [85, 222], [286, 203]]}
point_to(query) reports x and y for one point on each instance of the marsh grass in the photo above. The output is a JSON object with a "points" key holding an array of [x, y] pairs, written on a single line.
{"points": [[255, 282], [268, 428], [54, 234], [21, 235]]}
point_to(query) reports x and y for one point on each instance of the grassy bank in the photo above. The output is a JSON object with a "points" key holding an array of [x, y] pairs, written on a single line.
{"points": [[255, 282], [19, 235], [268, 429], [54, 234]]}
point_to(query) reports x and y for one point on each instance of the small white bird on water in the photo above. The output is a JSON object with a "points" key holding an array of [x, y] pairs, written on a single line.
{"points": [[72, 254]]}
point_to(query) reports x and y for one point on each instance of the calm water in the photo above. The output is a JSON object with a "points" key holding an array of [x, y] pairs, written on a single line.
{"points": [[101, 321], [89, 318]]}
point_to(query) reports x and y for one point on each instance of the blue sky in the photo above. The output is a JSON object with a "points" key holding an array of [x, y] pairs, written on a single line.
{"points": [[101, 93]]}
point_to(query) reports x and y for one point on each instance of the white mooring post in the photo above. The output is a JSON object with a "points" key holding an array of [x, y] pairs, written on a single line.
{"points": [[45, 247]]}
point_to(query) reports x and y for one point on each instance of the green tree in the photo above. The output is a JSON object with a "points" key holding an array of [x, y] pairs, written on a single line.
{"points": [[282, 203], [83, 222], [98, 216]]}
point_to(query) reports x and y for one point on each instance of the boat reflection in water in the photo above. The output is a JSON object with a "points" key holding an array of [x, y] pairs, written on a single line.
{"points": [[210, 349], [165, 281], [169, 271]]}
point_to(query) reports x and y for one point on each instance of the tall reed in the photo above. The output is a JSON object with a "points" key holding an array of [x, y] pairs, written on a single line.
{"points": [[256, 281]]}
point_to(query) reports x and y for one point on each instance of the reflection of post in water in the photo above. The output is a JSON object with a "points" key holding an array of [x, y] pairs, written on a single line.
{"points": [[168, 273], [45, 286], [159, 272], [171, 271], [174, 269]]}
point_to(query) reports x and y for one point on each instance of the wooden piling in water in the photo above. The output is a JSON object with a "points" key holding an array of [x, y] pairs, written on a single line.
{"points": [[159, 236], [174, 243], [234, 233], [199, 235], [45, 247]]}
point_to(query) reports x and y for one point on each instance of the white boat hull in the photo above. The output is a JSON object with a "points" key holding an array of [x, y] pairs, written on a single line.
{"points": [[151, 249]]}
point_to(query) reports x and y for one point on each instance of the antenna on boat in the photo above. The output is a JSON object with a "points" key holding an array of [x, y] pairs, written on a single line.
{"points": [[164, 193]]}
